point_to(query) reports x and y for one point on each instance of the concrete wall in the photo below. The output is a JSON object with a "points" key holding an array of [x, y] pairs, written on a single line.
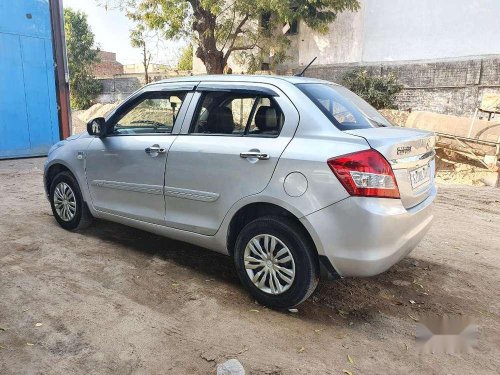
{"points": [[451, 86], [342, 44], [399, 30], [430, 29], [139, 68], [119, 87]]}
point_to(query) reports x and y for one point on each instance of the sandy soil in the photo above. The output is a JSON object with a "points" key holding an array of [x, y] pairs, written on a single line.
{"points": [[112, 299]]}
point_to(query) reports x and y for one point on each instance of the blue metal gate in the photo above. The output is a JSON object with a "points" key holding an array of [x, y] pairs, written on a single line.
{"points": [[29, 123]]}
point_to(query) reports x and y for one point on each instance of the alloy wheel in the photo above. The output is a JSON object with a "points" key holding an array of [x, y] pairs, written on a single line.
{"points": [[64, 201]]}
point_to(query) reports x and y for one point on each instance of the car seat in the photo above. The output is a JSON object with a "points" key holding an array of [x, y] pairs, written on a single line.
{"points": [[267, 121], [220, 121]]}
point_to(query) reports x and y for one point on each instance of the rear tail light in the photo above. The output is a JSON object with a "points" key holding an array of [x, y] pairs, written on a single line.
{"points": [[365, 173]]}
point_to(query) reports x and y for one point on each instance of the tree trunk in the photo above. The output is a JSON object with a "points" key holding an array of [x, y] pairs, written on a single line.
{"points": [[213, 60], [146, 63], [207, 52]]}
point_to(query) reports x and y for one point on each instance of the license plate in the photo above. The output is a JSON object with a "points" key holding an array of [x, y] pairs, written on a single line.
{"points": [[420, 176]]}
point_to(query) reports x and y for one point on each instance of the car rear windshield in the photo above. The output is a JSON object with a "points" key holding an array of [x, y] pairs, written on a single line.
{"points": [[344, 109]]}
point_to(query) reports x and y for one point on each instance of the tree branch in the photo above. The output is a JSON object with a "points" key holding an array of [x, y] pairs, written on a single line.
{"points": [[237, 31], [230, 30]]}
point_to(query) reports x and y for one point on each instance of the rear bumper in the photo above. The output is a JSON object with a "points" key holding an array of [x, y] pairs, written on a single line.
{"points": [[366, 236]]}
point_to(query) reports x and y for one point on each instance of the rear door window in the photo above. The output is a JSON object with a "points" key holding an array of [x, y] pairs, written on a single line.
{"points": [[237, 114]]}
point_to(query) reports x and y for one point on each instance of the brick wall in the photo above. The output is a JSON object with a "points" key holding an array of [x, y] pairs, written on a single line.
{"points": [[444, 86], [107, 66]]}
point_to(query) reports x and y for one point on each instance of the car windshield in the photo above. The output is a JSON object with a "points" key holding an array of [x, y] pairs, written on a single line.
{"points": [[343, 108]]}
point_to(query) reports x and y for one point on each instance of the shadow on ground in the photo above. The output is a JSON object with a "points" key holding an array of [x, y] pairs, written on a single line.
{"points": [[404, 291]]}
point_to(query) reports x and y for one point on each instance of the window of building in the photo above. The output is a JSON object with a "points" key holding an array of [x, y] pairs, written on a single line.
{"points": [[294, 28]]}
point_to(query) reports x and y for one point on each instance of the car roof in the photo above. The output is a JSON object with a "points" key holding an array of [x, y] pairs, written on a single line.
{"points": [[272, 79]]}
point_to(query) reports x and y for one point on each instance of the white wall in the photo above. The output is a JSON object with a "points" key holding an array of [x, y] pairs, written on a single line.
{"points": [[430, 29], [396, 30], [342, 43]]}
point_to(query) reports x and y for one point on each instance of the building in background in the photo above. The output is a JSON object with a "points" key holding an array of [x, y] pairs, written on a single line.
{"points": [[107, 65], [446, 52], [34, 101], [138, 68], [394, 30]]}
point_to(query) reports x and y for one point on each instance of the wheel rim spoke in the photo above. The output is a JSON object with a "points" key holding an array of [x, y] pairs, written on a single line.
{"points": [[259, 248], [263, 278], [271, 285], [252, 266], [286, 271], [269, 264], [255, 251], [285, 259], [281, 252], [272, 246], [277, 282], [283, 276]]}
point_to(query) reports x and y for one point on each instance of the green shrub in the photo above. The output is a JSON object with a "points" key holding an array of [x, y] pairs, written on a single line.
{"points": [[379, 91], [186, 59]]}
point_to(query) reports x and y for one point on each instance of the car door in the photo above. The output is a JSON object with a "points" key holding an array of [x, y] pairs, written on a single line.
{"points": [[230, 143], [125, 170]]}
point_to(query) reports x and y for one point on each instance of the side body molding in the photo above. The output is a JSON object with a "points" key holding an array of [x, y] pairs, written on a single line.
{"points": [[196, 195]]}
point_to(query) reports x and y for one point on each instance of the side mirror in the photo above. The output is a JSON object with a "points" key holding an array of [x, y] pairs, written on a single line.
{"points": [[97, 127]]}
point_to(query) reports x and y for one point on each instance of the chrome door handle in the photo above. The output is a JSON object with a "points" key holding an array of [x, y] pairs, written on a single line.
{"points": [[257, 155], [155, 150]]}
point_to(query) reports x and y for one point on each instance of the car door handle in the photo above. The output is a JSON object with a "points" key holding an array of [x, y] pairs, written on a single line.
{"points": [[155, 150], [252, 154]]}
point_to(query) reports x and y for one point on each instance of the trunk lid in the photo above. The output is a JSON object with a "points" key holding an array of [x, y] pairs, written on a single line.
{"points": [[411, 155]]}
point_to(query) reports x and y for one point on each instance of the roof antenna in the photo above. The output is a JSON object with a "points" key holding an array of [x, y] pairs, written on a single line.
{"points": [[301, 74]]}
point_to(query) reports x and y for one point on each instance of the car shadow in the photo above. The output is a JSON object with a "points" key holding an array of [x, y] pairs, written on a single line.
{"points": [[407, 290], [209, 264]]}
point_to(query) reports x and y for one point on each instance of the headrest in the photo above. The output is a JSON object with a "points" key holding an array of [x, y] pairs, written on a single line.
{"points": [[266, 118], [221, 121]]}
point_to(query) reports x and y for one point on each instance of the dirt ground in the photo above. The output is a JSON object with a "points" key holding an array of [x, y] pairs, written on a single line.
{"points": [[112, 299]]}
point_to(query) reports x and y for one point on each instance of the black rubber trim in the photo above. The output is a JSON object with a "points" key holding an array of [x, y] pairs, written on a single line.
{"points": [[232, 87], [326, 268]]}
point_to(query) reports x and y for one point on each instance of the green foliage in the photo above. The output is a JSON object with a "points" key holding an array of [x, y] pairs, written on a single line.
{"points": [[139, 38], [186, 59], [81, 56], [379, 91], [221, 28]]}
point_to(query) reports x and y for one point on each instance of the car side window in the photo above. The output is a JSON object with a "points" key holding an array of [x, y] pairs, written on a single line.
{"points": [[226, 113], [267, 118], [155, 112]]}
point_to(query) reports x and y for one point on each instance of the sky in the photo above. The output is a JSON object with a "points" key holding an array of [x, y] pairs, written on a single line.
{"points": [[111, 29]]}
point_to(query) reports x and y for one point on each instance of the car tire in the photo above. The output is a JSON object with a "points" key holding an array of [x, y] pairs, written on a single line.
{"points": [[298, 256], [66, 201]]}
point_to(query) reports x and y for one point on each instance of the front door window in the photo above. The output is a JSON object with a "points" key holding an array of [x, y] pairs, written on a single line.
{"points": [[154, 113]]}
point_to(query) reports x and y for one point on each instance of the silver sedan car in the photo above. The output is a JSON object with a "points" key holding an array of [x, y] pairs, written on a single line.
{"points": [[292, 177]]}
